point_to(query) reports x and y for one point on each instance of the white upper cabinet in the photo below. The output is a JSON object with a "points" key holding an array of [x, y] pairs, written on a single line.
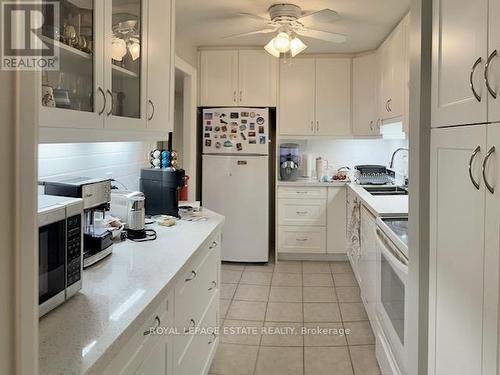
{"points": [[258, 78], [161, 65], [459, 50], [116, 72], [364, 95], [493, 70], [238, 78], [296, 112], [219, 78], [315, 97], [333, 96]]}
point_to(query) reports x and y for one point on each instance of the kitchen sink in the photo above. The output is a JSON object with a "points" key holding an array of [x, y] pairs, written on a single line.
{"points": [[386, 190]]}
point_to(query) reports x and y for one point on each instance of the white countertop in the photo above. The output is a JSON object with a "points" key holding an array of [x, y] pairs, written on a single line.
{"points": [[311, 182], [89, 329], [383, 206]]}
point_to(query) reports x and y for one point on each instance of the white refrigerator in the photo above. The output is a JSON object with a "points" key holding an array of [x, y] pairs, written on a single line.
{"points": [[235, 179]]}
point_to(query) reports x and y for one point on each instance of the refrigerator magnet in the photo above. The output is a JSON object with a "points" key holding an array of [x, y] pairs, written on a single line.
{"points": [[233, 136], [223, 136], [234, 130], [260, 120], [208, 128], [224, 128], [208, 142], [252, 126], [262, 140], [245, 114], [252, 114], [234, 123], [217, 129], [207, 135], [209, 122], [239, 147], [222, 121], [252, 141], [208, 116], [218, 145], [243, 136], [243, 127], [221, 115], [243, 121], [261, 129], [234, 115], [228, 144], [216, 136], [251, 134]]}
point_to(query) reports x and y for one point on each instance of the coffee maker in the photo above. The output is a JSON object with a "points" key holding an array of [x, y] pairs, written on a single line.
{"points": [[289, 161], [161, 189], [96, 195]]}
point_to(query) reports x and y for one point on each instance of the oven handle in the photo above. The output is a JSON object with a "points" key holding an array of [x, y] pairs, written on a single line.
{"points": [[390, 253]]}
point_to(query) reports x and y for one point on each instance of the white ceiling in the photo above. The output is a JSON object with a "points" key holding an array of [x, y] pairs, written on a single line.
{"points": [[365, 22]]}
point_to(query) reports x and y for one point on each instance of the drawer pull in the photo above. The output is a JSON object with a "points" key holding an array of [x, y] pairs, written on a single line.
{"points": [[302, 192], [213, 245], [192, 324], [193, 275], [301, 212], [301, 239], [213, 286], [212, 339], [158, 322]]}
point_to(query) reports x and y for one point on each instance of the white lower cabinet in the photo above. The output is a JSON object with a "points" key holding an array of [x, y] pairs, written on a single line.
{"points": [[367, 263], [192, 307], [310, 240], [336, 220]]}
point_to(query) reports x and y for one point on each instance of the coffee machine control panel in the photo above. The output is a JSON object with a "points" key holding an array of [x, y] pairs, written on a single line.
{"points": [[96, 194]]}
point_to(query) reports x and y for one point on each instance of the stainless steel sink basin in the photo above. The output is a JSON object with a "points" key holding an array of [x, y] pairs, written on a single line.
{"points": [[386, 190]]}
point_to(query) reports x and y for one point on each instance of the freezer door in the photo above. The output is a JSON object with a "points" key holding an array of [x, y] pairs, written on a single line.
{"points": [[238, 188], [235, 130]]}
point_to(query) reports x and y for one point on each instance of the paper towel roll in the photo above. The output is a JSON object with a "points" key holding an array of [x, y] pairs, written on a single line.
{"points": [[306, 165]]}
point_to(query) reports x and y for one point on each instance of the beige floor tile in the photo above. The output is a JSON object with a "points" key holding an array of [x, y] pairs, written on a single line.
{"points": [[279, 361], [232, 266], [231, 277], [284, 312], [233, 359], [224, 306], [287, 279], [340, 267], [319, 294], [319, 279], [267, 267], [256, 278], [282, 334], [321, 312], [227, 291], [348, 294], [285, 294], [327, 361], [344, 279], [288, 266], [245, 310], [241, 332], [258, 293], [364, 360], [324, 334], [315, 267], [353, 312], [360, 333]]}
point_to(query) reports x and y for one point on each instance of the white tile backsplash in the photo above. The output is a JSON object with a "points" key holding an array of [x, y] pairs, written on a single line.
{"points": [[119, 160]]}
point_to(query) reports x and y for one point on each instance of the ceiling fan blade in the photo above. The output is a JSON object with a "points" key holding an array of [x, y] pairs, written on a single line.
{"points": [[323, 35], [321, 16], [262, 31], [255, 17]]}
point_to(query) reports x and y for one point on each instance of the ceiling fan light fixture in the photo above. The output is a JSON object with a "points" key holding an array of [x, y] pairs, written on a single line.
{"points": [[296, 46], [269, 47], [282, 42]]}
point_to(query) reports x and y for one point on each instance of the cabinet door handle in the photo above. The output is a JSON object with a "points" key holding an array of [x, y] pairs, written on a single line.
{"points": [[158, 323], [213, 285], [317, 126], [99, 89], [241, 95], [153, 107], [193, 275], [389, 105], [301, 212], [192, 324], [371, 125], [234, 96], [471, 78], [474, 153], [485, 162], [112, 102], [486, 71], [301, 239], [213, 245], [312, 126]]}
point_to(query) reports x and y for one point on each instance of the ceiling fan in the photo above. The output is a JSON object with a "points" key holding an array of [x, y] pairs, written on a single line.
{"points": [[289, 22]]}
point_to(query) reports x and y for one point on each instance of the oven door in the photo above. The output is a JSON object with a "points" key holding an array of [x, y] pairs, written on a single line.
{"points": [[392, 276], [51, 259]]}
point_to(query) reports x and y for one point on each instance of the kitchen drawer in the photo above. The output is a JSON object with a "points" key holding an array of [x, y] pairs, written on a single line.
{"points": [[193, 292], [198, 354], [301, 192], [296, 239], [301, 212]]}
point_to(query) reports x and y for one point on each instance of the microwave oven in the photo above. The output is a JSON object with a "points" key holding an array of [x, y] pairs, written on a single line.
{"points": [[60, 246]]}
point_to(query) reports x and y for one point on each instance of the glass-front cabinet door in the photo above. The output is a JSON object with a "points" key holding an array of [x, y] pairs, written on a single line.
{"points": [[125, 64], [74, 95]]}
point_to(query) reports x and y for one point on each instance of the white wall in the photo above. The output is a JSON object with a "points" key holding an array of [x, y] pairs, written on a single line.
{"points": [[119, 160], [351, 152]]}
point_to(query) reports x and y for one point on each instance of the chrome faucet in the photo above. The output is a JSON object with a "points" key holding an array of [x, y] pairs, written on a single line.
{"points": [[394, 154]]}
